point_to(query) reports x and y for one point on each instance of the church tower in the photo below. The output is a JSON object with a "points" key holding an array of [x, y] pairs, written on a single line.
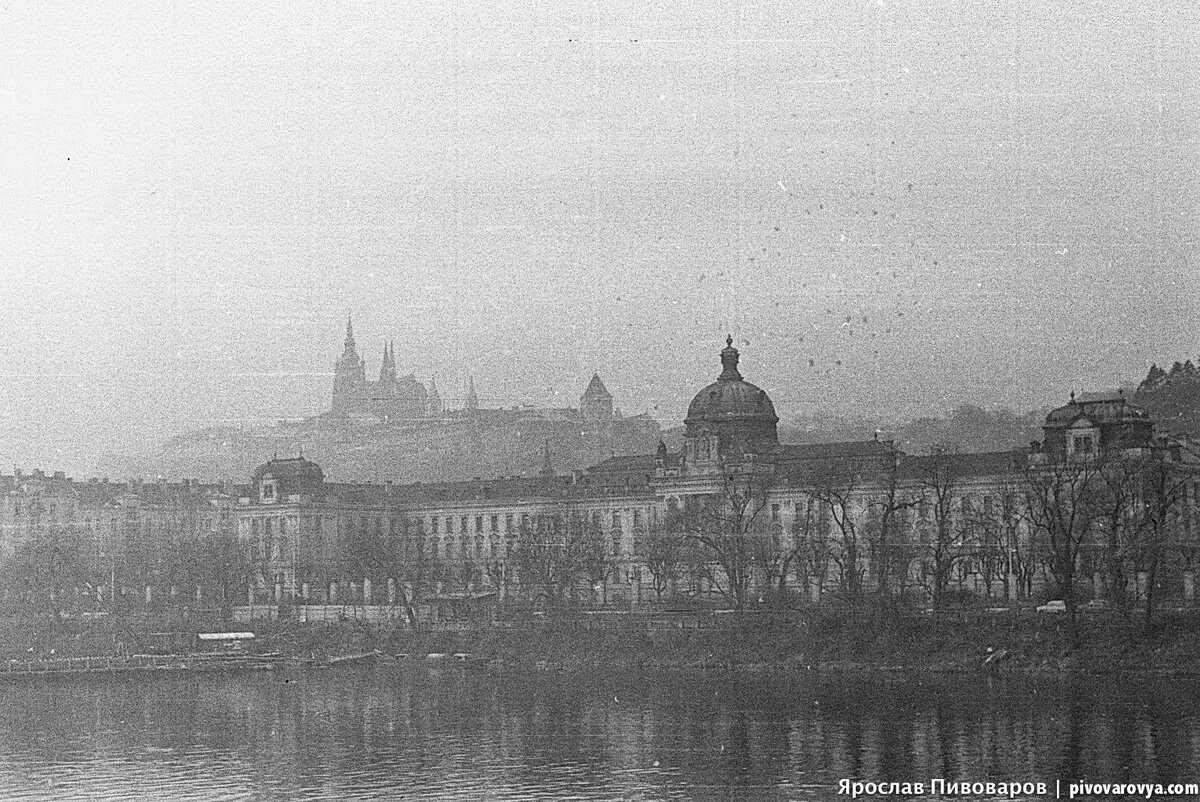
{"points": [[596, 403], [435, 400], [596, 410], [387, 370], [349, 374]]}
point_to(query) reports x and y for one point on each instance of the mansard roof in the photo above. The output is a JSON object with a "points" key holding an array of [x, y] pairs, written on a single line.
{"points": [[965, 466], [636, 462], [290, 468], [1101, 408], [513, 488], [839, 450]]}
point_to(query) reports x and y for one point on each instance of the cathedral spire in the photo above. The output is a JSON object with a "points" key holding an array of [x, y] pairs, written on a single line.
{"points": [[349, 375], [547, 465], [472, 398], [434, 400]]}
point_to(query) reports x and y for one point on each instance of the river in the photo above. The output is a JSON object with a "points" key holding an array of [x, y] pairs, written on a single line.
{"points": [[395, 732]]}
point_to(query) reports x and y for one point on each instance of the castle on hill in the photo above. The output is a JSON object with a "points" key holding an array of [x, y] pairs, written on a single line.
{"points": [[391, 398], [397, 428]]}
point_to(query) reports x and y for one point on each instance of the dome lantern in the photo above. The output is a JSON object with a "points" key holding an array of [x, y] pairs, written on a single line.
{"points": [[729, 362]]}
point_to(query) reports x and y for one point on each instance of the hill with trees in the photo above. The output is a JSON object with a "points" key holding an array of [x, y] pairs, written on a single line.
{"points": [[966, 429], [1172, 397]]}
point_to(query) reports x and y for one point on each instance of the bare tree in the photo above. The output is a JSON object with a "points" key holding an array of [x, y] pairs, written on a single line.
{"points": [[1063, 502], [553, 553], [1121, 520], [595, 562], [664, 551], [888, 512], [726, 528], [939, 478], [46, 570], [1160, 511], [393, 549], [812, 530], [799, 559], [217, 563], [838, 493]]}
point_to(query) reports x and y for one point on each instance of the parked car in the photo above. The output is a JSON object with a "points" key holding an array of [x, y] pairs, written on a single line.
{"points": [[1056, 606]]}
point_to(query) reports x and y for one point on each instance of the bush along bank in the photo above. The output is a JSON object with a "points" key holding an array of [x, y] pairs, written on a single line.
{"points": [[833, 639], [822, 638]]}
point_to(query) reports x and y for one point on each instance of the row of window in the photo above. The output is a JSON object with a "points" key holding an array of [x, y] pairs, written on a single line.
{"points": [[268, 527], [966, 508], [435, 525]]}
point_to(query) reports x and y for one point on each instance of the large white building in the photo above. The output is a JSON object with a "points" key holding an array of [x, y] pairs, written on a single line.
{"points": [[1101, 507], [738, 516]]}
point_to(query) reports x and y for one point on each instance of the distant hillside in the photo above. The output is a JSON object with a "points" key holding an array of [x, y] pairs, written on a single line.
{"points": [[1172, 398], [966, 429], [456, 447]]}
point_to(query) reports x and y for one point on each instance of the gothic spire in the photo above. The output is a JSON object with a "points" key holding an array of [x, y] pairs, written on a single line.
{"points": [[472, 398], [434, 399], [547, 465], [349, 359]]}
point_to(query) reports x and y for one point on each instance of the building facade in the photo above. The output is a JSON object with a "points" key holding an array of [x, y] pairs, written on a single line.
{"points": [[1101, 508]]}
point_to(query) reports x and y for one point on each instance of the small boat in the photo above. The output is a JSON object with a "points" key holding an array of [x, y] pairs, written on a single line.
{"points": [[351, 659], [469, 660]]}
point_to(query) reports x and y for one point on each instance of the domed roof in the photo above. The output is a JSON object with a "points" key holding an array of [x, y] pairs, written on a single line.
{"points": [[294, 470], [1101, 410], [730, 398]]}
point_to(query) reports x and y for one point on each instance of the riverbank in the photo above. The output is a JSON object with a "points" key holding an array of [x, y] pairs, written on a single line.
{"points": [[824, 639], [837, 641]]}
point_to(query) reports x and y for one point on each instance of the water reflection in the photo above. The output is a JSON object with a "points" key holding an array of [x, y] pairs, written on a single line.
{"points": [[392, 732]]}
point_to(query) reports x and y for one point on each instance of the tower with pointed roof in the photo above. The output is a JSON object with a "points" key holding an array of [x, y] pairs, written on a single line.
{"points": [[472, 398], [349, 373], [392, 398], [387, 369], [596, 403], [596, 414]]}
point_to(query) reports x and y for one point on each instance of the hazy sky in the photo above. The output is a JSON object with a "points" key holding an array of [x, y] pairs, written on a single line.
{"points": [[894, 206]]}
